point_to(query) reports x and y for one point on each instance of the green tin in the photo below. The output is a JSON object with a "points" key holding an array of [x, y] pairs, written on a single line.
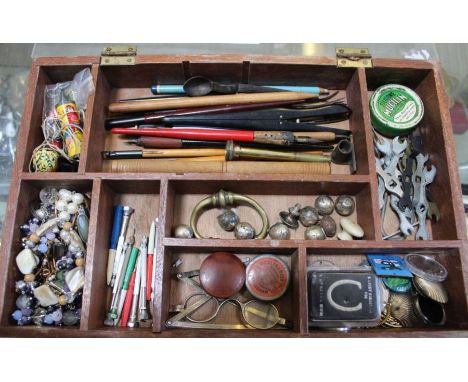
{"points": [[395, 110]]}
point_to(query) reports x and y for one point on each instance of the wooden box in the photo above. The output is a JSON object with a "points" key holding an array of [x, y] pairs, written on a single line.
{"points": [[172, 195]]}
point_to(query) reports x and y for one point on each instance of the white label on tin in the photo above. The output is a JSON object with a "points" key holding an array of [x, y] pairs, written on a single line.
{"points": [[407, 113]]}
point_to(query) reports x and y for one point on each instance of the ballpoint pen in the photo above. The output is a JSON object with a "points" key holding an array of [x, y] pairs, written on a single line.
{"points": [[128, 300], [149, 267], [133, 321], [118, 215], [121, 266], [153, 278], [127, 212], [142, 311], [128, 273]]}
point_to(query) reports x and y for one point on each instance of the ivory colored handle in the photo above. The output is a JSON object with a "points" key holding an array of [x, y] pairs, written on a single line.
{"points": [[322, 135], [241, 167], [216, 100]]}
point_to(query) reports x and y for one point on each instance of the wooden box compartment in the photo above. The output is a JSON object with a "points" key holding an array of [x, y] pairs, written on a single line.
{"points": [[273, 196], [455, 309], [176, 292], [171, 196], [115, 83], [25, 193], [143, 196], [424, 83], [43, 76]]}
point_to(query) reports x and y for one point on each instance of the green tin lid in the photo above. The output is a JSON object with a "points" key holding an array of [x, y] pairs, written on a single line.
{"points": [[395, 110]]}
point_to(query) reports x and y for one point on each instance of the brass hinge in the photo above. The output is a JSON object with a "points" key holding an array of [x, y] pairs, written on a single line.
{"points": [[118, 55], [353, 58]]}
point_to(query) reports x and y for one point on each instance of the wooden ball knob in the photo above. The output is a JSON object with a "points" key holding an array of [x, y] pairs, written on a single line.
{"points": [[29, 278], [34, 238], [62, 299], [222, 274], [79, 262]]}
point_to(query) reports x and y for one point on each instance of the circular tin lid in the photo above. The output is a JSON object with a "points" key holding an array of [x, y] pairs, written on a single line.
{"points": [[267, 277], [222, 274], [426, 267], [395, 110]]}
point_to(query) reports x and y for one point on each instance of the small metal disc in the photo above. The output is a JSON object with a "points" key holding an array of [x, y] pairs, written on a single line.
{"points": [[401, 307], [432, 290], [267, 277], [429, 311], [426, 267], [397, 284]]}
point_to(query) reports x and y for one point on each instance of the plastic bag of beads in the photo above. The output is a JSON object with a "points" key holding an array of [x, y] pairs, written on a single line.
{"points": [[63, 115]]}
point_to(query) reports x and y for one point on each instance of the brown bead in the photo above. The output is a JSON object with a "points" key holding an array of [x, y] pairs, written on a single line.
{"points": [[79, 262], [34, 238], [62, 299], [67, 226], [30, 277]]}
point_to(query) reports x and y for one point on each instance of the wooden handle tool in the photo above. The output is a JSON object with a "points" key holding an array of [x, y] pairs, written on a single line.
{"points": [[241, 167], [187, 102]]}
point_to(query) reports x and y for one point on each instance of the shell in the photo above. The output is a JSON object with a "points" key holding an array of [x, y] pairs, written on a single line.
{"points": [[82, 226], [45, 296], [433, 290], [279, 231], [76, 240], [343, 235], [75, 279], [244, 231], [401, 307], [26, 261], [344, 205], [308, 216], [328, 225], [352, 228], [324, 205], [46, 226], [314, 232]]}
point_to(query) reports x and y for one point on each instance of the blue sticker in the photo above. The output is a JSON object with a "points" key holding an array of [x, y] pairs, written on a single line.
{"points": [[385, 265]]}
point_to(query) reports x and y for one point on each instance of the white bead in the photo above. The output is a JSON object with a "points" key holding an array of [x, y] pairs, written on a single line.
{"points": [[64, 216], [73, 247], [75, 279], [352, 228], [40, 214], [65, 236], [61, 205], [72, 208], [343, 235], [26, 261], [65, 195], [77, 198]]}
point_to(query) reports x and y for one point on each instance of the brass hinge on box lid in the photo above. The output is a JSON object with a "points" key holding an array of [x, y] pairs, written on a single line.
{"points": [[118, 55], [353, 58]]}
